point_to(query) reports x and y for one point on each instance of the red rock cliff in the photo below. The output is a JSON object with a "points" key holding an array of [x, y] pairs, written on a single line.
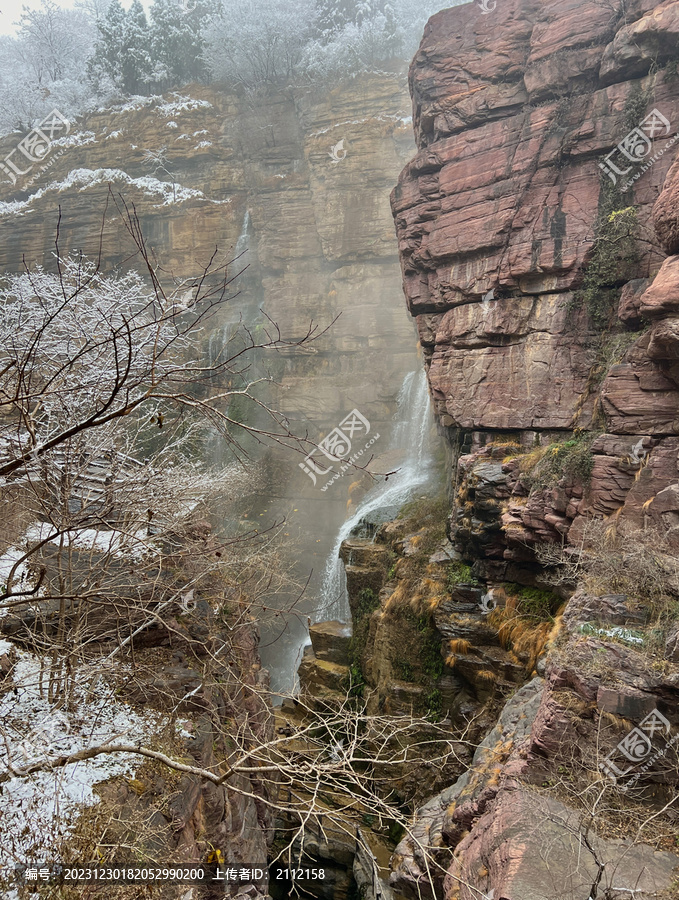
{"points": [[549, 313], [505, 210]]}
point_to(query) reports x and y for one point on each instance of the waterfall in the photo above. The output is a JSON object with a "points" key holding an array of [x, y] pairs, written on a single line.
{"points": [[243, 242], [412, 433], [221, 336]]}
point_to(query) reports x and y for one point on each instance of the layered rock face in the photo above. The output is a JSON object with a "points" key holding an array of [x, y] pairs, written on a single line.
{"points": [[501, 216], [295, 184], [557, 420], [495, 215]]}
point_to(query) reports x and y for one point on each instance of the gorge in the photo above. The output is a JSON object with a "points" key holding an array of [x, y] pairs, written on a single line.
{"points": [[512, 586]]}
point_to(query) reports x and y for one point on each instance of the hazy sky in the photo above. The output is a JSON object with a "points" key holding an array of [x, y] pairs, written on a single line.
{"points": [[10, 10]]}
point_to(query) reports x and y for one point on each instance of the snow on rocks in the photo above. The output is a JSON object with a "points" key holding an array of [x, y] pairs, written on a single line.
{"points": [[86, 178], [79, 139], [181, 104], [39, 810], [135, 102]]}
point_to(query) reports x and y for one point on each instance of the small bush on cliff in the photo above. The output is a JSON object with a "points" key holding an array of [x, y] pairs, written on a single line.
{"points": [[533, 603], [422, 662], [424, 512], [459, 573], [572, 459], [367, 603], [613, 349], [618, 558], [614, 259]]}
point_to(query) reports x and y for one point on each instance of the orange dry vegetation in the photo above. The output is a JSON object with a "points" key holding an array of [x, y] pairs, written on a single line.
{"points": [[525, 638]]}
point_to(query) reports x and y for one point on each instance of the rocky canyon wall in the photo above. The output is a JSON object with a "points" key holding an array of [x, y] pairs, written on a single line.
{"points": [[502, 217], [296, 183], [315, 229], [534, 228]]}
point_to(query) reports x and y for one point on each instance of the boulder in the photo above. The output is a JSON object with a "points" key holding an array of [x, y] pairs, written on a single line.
{"points": [[330, 641]]}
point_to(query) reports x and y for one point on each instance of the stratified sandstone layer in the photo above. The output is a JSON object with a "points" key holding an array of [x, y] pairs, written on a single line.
{"points": [[208, 170], [295, 183], [495, 215], [498, 217]]}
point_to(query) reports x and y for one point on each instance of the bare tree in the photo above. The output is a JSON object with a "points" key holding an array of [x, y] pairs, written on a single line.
{"points": [[105, 401]]}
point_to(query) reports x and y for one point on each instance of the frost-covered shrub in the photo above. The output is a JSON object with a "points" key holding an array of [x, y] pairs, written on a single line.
{"points": [[43, 66], [77, 59], [261, 41], [272, 41]]}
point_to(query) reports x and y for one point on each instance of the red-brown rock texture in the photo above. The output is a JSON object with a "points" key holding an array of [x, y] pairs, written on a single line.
{"points": [[554, 421], [495, 215], [496, 218]]}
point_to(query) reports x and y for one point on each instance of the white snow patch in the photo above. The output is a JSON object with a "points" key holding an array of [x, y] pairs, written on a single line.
{"points": [[40, 809], [172, 125], [135, 102], [340, 124], [181, 104], [134, 546], [405, 120], [117, 543], [75, 140], [113, 134], [198, 133], [85, 178], [624, 634], [7, 562], [203, 144]]}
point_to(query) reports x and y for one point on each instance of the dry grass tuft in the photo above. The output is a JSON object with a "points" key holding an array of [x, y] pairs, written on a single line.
{"points": [[617, 722], [522, 636], [529, 461]]}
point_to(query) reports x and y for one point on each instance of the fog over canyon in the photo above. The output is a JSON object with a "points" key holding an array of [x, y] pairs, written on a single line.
{"points": [[339, 450]]}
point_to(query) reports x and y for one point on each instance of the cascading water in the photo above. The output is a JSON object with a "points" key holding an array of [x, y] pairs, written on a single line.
{"points": [[243, 242], [220, 337], [412, 433]]}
